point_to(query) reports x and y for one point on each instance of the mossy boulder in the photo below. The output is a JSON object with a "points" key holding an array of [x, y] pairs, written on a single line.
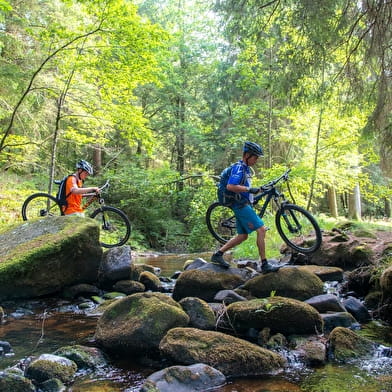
{"points": [[85, 357], [13, 382], [204, 284], [386, 282], [42, 256], [137, 323], [345, 344], [281, 315], [49, 366], [232, 356], [289, 282]]}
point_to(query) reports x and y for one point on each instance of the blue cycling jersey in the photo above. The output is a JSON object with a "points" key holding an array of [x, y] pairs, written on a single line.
{"points": [[240, 171]]}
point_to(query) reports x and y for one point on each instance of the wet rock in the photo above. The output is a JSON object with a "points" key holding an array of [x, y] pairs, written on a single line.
{"points": [[10, 381], [324, 273], [43, 256], [345, 345], [129, 287], [326, 303], [82, 289], [49, 366], [313, 353], [357, 309], [84, 357], [115, 265], [136, 324], [5, 347], [290, 282], [53, 385], [281, 315], [228, 297], [204, 284], [200, 314], [232, 356], [338, 319], [150, 281], [193, 378]]}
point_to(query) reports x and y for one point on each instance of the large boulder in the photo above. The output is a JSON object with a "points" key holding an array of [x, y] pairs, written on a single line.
{"points": [[137, 323], [281, 315], [204, 284], [289, 282], [232, 356], [42, 256]]}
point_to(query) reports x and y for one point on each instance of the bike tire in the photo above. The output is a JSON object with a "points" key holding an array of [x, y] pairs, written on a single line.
{"points": [[40, 205], [294, 225], [221, 222], [115, 228]]}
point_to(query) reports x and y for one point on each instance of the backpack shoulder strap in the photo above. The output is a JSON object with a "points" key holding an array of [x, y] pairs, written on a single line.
{"points": [[69, 175]]}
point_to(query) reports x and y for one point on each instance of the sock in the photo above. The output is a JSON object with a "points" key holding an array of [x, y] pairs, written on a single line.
{"points": [[219, 253]]}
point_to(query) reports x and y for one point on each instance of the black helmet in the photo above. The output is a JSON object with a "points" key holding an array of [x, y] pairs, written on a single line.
{"points": [[84, 165], [253, 148]]}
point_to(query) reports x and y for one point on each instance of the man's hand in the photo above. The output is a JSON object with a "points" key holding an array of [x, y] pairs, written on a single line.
{"points": [[254, 190]]}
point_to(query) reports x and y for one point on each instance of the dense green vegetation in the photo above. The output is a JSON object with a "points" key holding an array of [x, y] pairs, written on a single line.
{"points": [[160, 96]]}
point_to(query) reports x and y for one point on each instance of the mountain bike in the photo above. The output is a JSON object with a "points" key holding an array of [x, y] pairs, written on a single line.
{"points": [[295, 225], [115, 228]]}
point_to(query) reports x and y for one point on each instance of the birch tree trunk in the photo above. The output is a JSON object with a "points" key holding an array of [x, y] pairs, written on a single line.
{"points": [[354, 204]]}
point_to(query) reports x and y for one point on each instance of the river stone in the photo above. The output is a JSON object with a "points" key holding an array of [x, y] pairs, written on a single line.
{"points": [[282, 315], [85, 357], [137, 323], [200, 314], [12, 382], [326, 303], [193, 378], [290, 282], [345, 344], [49, 366], [204, 284], [42, 256], [232, 356]]}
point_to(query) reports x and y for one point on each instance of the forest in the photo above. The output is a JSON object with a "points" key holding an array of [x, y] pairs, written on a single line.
{"points": [[160, 96]]}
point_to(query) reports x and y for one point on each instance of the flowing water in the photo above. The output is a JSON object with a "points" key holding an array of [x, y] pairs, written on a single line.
{"points": [[42, 326]]}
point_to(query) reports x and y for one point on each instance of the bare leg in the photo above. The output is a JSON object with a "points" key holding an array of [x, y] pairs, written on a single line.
{"points": [[238, 239], [260, 241]]}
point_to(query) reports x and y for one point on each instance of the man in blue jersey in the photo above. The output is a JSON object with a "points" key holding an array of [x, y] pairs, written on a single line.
{"points": [[246, 218]]}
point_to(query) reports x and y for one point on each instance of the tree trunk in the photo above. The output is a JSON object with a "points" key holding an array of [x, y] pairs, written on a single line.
{"points": [[97, 158], [387, 209], [354, 204], [332, 202]]}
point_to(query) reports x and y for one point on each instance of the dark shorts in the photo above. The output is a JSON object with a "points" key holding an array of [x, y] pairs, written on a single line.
{"points": [[247, 220]]}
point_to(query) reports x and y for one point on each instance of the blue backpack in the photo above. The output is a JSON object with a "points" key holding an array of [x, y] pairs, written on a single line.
{"points": [[225, 197], [61, 196]]}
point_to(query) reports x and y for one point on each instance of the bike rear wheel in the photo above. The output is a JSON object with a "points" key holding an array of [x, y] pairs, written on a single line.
{"points": [[40, 205], [221, 222], [298, 228], [115, 228]]}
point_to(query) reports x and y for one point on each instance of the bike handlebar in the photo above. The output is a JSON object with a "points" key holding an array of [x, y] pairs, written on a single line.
{"points": [[284, 176]]}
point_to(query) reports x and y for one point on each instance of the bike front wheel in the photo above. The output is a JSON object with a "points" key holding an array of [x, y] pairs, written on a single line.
{"points": [[115, 228], [40, 205], [221, 222], [298, 228]]}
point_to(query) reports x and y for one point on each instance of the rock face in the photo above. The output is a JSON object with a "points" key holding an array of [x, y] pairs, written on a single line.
{"points": [[232, 356], [42, 256]]}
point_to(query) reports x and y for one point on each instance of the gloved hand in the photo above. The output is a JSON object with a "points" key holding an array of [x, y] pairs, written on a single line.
{"points": [[254, 190]]}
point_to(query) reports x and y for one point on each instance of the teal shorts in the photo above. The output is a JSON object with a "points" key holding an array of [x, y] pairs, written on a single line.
{"points": [[247, 220]]}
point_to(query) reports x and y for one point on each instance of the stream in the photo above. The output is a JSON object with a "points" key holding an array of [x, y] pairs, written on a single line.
{"points": [[43, 325]]}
